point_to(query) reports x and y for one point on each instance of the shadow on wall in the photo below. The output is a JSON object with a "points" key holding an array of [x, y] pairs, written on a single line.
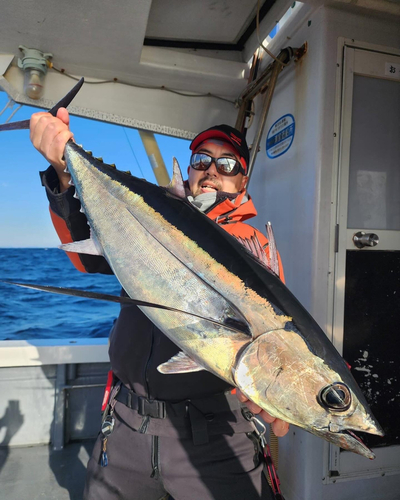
{"points": [[37, 471], [11, 421]]}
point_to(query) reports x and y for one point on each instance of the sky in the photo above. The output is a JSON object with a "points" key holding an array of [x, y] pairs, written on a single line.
{"points": [[24, 213]]}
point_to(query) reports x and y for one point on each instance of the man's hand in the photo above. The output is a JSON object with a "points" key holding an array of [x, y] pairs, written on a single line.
{"points": [[279, 427], [49, 135]]}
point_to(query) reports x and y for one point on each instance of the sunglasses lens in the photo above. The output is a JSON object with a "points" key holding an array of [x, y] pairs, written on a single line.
{"points": [[227, 166], [200, 161]]}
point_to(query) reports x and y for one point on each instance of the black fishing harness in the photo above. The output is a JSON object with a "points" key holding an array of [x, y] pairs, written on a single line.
{"points": [[199, 411]]}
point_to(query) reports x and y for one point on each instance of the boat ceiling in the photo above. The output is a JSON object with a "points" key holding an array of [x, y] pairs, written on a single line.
{"points": [[108, 40], [192, 46]]}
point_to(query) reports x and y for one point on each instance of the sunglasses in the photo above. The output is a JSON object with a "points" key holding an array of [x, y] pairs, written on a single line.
{"points": [[224, 166]]}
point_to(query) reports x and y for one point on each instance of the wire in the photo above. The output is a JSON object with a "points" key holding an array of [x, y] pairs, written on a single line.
{"points": [[13, 113], [7, 105], [258, 37], [77, 79], [133, 152], [116, 80]]}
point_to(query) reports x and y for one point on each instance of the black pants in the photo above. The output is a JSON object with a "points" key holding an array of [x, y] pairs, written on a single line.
{"points": [[147, 467]]}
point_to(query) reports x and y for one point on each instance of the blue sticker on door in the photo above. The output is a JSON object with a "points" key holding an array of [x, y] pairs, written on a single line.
{"points": [[280, 136]]}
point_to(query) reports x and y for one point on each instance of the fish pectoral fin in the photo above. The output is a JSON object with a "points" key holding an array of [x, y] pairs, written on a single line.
{"points": [[180, 363], [113, 298], [176, 186], [90, 246]]}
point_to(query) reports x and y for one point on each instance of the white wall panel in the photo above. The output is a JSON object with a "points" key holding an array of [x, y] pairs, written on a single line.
{"points": [[296, 193]]}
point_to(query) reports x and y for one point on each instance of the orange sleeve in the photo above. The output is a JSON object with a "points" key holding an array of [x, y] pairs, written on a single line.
{"points": [[65, 237], [281, 273]]}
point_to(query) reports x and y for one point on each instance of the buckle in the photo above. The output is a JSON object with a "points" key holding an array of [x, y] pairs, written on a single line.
{"points": [[155, 409], [247, 414]]}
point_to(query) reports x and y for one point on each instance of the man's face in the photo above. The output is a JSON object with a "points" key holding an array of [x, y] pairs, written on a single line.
{"points": [[207, 181]]}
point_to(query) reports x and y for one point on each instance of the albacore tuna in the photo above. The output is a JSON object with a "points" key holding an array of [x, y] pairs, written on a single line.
{"points": [[261, 339]]}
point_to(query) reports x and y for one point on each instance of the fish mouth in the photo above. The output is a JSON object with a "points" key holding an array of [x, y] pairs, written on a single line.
{"points": [[347, 440]]}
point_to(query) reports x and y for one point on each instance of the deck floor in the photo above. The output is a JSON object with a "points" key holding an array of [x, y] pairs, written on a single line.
{"points": [[38, 472]]}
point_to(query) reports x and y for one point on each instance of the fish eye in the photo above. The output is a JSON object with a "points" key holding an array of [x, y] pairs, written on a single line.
{"points": [[336, 397]]}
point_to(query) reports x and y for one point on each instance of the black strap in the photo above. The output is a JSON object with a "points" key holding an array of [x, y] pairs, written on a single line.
{"points": [[160, 409], [198, 423], [144, 406], [199, 411]]}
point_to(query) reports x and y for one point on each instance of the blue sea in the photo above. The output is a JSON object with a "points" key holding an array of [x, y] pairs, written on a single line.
{"points": [[32, 314]]}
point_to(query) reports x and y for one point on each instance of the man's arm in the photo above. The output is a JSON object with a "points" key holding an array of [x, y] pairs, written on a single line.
{"points": [[49, 135]]}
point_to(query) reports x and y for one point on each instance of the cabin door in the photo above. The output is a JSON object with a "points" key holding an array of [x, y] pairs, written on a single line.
{"points": [[367, 268]]}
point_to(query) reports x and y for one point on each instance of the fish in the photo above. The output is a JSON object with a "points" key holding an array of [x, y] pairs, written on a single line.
{"points": [[232, 314], [211, 294]]}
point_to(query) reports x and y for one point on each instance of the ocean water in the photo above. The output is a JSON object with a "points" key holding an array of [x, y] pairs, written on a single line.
{"points": [[31, 314]]}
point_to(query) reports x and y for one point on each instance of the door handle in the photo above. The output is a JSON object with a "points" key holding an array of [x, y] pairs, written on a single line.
{"points": [[362, 239]]}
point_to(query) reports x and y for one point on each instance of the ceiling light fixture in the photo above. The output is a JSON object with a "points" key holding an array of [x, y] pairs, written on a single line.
{"points": [[34, 63]]}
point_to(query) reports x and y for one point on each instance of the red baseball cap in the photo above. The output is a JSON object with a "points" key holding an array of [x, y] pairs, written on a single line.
{"points": [[229, 134]]}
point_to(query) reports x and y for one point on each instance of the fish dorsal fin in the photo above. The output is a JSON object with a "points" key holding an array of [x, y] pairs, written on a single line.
{"points": [[180, 363], [176, 186], [90, 246], [253, 245]]}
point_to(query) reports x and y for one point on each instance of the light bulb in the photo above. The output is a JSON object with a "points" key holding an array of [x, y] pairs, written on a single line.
{"points": [[34, 64], [33, 83]]}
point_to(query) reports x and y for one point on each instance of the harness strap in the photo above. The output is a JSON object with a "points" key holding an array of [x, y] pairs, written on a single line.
{"points": [[144, 406], [161, 409], [198, 424], [199, 411]]}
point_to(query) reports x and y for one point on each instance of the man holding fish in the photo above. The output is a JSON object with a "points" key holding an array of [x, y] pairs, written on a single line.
{"points": [[186, 433]]}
